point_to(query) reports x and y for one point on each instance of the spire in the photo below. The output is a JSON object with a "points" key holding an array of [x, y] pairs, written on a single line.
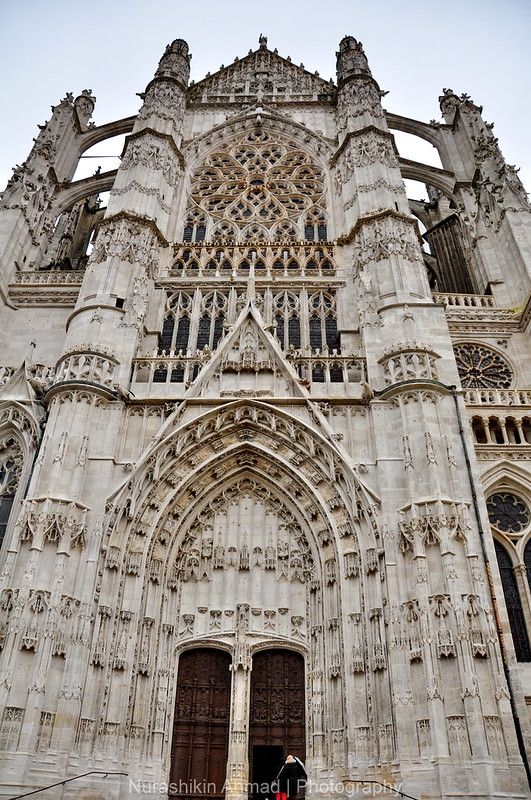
{"points": [[251, 286], [350, 60]]}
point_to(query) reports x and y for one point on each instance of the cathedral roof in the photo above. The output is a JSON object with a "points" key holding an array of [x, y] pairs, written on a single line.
{"points": [[262, 75]]}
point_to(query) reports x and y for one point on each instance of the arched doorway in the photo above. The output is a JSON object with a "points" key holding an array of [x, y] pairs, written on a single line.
{"points": [[201, 726], [277, 718]]}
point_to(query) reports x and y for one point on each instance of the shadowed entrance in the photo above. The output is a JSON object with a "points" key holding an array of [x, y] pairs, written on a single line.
{"points": [[277, 719], [201, 726]]}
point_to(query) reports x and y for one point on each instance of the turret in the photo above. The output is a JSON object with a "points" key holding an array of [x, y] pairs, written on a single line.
{"points": [[350, 60]]}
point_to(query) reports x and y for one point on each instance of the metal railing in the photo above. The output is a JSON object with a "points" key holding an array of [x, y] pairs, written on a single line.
{"points": [[68, 780]]}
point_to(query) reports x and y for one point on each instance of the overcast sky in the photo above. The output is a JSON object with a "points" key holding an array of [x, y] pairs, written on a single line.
{"points": [[49, 47]]}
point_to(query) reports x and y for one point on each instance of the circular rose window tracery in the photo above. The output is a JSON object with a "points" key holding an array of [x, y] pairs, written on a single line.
{"points": [[480, 367], [258, 180], [508, 513]]}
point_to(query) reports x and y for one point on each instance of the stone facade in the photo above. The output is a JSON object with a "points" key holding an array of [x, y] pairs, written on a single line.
{"points": [[255, 413]]}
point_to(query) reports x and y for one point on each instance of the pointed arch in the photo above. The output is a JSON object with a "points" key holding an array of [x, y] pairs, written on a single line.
{"points": [[19, 438]]}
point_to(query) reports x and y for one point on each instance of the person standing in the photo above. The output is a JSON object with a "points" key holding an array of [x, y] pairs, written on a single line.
{"points": [[291, 779]]}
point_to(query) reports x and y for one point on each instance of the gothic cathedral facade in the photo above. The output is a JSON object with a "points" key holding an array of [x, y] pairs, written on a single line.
{"points": [[264, 444]]}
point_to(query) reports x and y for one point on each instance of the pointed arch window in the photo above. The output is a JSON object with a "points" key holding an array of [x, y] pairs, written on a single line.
{"points": [[323, 322], [287, 320], [315, 229], [213, 311], [175, 334], [513, 603], [195, 227], [10, 470]]}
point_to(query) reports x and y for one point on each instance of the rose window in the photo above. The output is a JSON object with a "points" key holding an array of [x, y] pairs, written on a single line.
{"points": [[480, 367], [259, 181], [508, 513]]}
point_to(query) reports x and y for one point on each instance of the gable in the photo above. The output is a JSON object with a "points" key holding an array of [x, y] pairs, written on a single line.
{"points": [[248, 363], [261, 76]]}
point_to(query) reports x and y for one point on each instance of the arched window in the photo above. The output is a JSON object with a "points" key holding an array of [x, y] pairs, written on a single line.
{"points": [[195, 227], [10, 469], [287, 320], [211, 320], [323, 322], [513, 603], [175, 333], [315, 226]]}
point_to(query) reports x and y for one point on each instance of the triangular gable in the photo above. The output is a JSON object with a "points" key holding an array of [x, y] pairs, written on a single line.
{"points": [[262, 75], [18, 386], [248, 363]]}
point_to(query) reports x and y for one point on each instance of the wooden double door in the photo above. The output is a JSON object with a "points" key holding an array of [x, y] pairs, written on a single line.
{"points": [[200, 741]]}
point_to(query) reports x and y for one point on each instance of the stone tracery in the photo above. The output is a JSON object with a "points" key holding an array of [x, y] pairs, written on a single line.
{"points": [[260, 181]]}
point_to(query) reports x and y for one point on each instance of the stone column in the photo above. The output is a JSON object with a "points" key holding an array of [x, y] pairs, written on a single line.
{"points": [[238, 758]]}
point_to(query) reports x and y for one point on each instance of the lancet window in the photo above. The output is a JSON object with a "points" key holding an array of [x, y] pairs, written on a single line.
{"points": [[513, 603], [307, 325], [509, 514], [287, 320], [175, 333], [10, 469], [194, 227], [323, 322], [255, 190], [193, 322]]}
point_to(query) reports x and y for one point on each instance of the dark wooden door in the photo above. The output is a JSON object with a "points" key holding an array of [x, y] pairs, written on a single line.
{"points": [[277, 718], [201, 728]]}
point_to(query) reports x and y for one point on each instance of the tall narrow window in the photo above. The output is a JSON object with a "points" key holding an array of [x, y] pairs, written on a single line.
{"points": [[211, 320], [175, 332], [323, 322], [10, 467], [195, 227], [287, 320], [513, 603], [315, 226]]}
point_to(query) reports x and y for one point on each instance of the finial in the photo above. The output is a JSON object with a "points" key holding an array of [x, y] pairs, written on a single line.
{"points": [[262, 41]]}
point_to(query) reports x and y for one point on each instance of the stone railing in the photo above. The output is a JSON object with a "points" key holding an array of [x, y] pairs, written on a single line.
{"points": [[52, 277], [271, 260], [333, 368], [498, 397], [506, 430], [464, 300], [314, 368], [168, 368], [52, 287]]}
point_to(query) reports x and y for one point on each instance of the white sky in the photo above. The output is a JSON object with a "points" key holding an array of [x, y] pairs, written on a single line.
{"points": [[414, 48]]}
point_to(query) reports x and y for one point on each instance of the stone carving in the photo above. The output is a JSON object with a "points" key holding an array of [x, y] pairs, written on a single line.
{"points": [[425, 523], [382, 239], [166, 101], [126, 240], [261, 181], [153, 153], [408, 363], [89, 367], [261, 76]]}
